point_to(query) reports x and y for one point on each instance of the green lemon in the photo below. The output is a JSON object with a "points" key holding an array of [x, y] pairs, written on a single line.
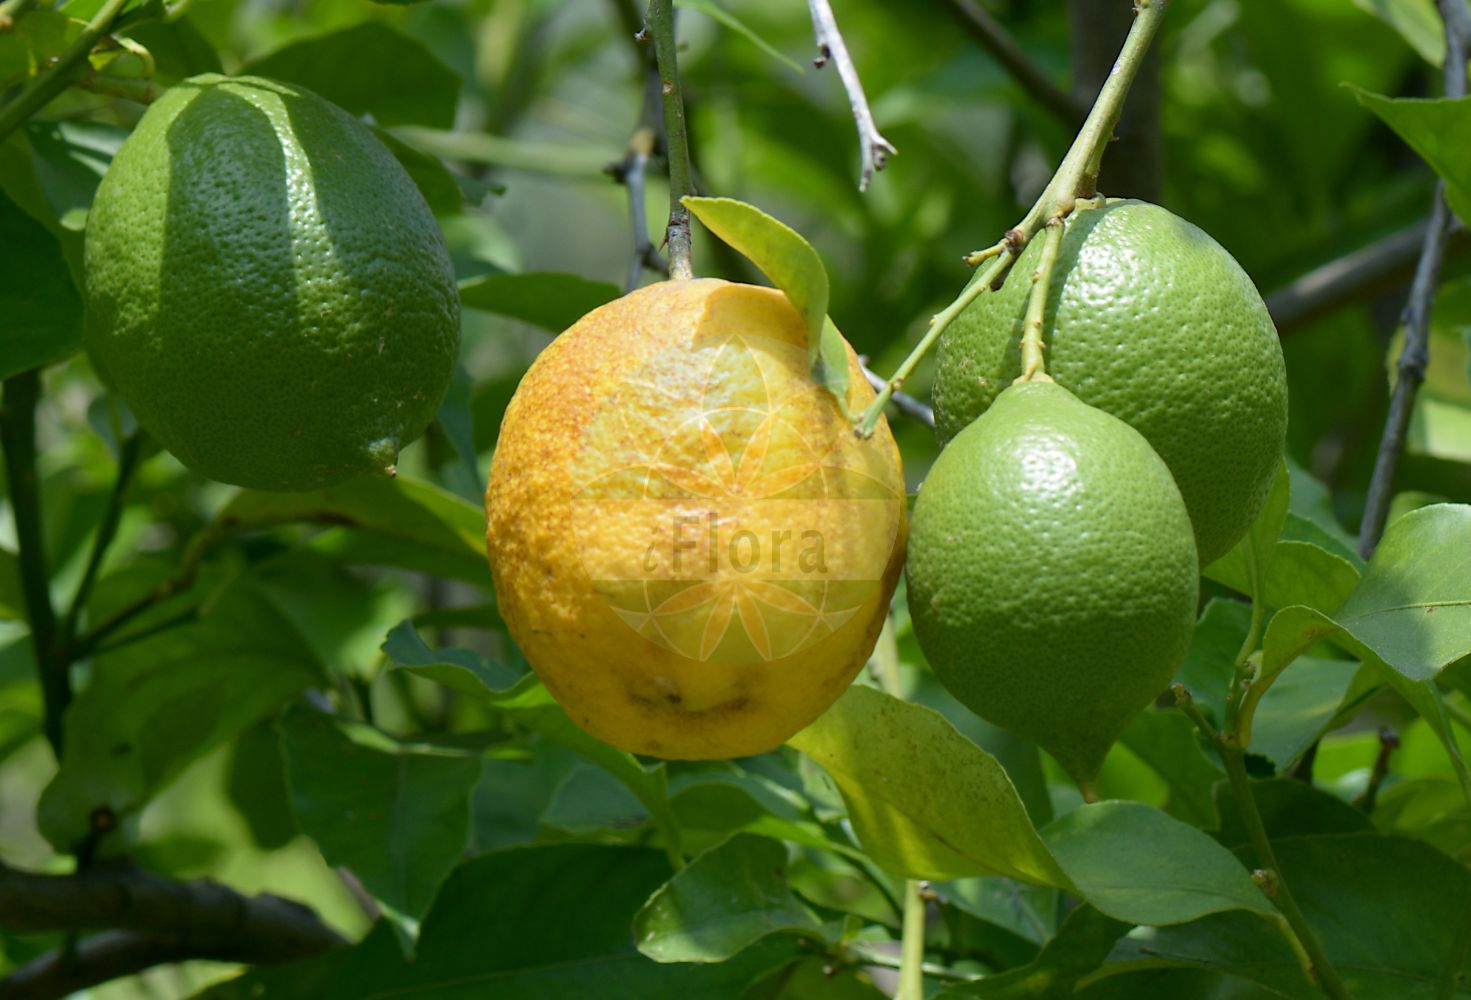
{"points": [[1052, 572], [267, 288], [1152, 320]]}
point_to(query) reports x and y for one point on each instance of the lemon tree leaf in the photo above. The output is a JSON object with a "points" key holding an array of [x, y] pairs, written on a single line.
{"points": [[438, 186], [1417, 23], [1168, 743], [925, 801], [1299, 707], [1412, 609], [1439, 130], [1289, 808], [1081, 944], [399, 522], [397, 816], [723, 901], [1427, 700], [1389, 931], [531, 705], [793, 266], [715, 12], [1137, 864], [32, 42], [347, 67], [156, 704], [43, 312], [549, 300], [527, 923]]}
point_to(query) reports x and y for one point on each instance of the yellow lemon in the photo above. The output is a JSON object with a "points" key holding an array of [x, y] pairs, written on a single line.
{"points": [[689, 543]]}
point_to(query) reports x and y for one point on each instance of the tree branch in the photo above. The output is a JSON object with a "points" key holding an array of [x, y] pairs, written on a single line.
{"points": [[1364, 273], [18, 438], [1003, 48], [632, 170], [676, 141], [162, 920], [873, 149], [56, 77], [1415, 355]]}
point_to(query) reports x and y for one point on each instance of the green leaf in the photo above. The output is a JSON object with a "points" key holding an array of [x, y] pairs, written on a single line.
{"points": [[543, 298], [1168, 743], [1299, 707], [1426, 699], [722, 902], [793, 266], [34, 40], [1211, 659], [404, 522], [1244, 567], [1389, 911], [43, 312], [178, 48], [1416, 21], [814, 978], [531, 923], [1081, 945], [438, 186], [1289, 808], [1439, 130], [369, 68], [155, 705], [1136, 863], [925, 801], [531, 705], [715, 12], [397, 816]]}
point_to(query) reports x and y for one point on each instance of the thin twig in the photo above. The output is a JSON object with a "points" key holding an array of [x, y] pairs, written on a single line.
{"points": [[1388, 744], [676, 139], [56, 77], [149, 920], [1371, 270], [127, 463], [1415, 356], [907, 405], [18, 438], [1003, 48], [911, 964], [873, 149]]}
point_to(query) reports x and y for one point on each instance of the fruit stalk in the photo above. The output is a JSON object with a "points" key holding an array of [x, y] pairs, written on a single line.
{"points": [[676, 138], [1076, 177], [911, 967], [56, 78], [1034, 365]]}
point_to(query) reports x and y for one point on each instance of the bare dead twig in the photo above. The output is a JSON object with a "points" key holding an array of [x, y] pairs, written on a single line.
{"points": [[873, 148]]}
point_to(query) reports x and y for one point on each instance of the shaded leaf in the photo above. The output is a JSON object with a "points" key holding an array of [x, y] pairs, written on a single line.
{"points": [[722, 902], [1439, 129], [1416, 21], [528, 923], [1083, 942], [438, 186], [398, 817], [925, 801], [43, 312], [1138, 864], [157, 704], [1299, 707], [545, 299], [349, 68], [1168, 743], [1289, 808]]}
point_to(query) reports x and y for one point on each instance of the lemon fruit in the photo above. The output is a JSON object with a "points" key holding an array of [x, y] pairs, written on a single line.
{"points": [[1052, 572], [267, 288], [688, 542], [1151, 320]]}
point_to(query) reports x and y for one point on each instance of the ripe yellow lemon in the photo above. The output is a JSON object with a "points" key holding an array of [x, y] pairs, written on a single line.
{"points": [[1153, 321], [1052, 572], [267, 288], [689, 543]]}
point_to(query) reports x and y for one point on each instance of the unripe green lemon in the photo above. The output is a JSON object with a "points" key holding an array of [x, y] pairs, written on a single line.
{"points": [[1052, 572], [1152, 320], [267, 288]]}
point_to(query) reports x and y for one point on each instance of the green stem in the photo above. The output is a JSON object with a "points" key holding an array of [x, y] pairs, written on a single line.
{"points": [[1076, 177], [1034, 365], [127, 463], [1321, 969], [18, 437], [676, 138], [56, 78], [911, 963]]}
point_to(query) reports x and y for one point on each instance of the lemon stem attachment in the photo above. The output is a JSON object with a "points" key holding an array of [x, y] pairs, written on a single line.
{"points": [[660, 23], [1076, 178], [1034, 365]]}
